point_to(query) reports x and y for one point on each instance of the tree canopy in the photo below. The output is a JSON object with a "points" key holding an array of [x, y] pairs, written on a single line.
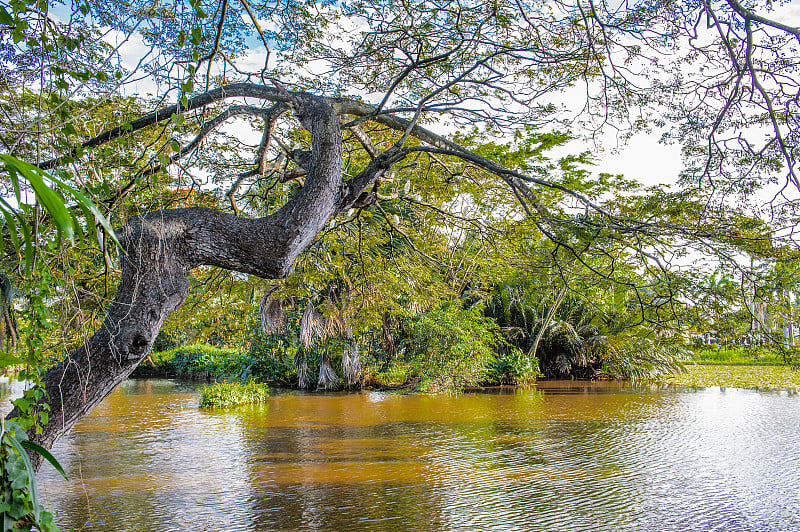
{"points": [[400, 144]]}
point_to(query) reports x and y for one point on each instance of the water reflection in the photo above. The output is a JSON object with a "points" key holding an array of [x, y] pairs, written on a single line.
{"points": [[560, 457]]}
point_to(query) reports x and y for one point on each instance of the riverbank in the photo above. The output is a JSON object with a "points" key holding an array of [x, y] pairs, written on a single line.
{"points": [[763, 377], [739, 355], [738, 367]]}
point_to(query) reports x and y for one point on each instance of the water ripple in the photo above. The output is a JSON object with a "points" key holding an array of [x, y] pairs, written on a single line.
{"points": [[570, 458]]}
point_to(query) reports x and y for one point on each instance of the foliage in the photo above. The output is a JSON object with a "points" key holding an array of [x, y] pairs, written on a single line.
{"points": [[19, 505], [637, 356], [737, 376], [49, 192], [272, 357], [218, 311], [592, 332], [449, 348], [759, 355], [204, 361], [395, 375], [514, 366], [19, 502], [233, 394]]}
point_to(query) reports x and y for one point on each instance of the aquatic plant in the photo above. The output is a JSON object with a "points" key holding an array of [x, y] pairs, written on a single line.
{"points": [[737, 376], [226, 394]]}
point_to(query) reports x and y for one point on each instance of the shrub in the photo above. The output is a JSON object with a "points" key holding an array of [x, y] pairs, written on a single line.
{"points": [[450, 348], [226, 394], [204, 361], [271, 358], [513, 366], [394, 375]]}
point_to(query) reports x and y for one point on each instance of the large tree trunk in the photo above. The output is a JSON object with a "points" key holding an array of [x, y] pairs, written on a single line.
{"points": [[161, 248]]}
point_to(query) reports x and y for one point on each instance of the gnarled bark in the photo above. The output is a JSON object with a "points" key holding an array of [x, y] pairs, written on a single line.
{"points": [[161, 248]]}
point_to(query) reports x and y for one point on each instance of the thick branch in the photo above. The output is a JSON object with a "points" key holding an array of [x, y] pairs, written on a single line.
{"points": [[161, 248]]}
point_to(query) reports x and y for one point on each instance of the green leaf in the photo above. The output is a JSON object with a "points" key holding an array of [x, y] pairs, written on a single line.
{"points": [[8, 360], [51, 201], [65, 219], [12, 176], [16, 442], [197, 34], [69, 129], [10, 214], [35, 447], [175, 145], [28, 246], [91, 207], [5, 18]]}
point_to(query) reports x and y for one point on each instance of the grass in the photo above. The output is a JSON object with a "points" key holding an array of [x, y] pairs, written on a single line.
{"points": [[738, 376], [738, 356], [227, 394]]}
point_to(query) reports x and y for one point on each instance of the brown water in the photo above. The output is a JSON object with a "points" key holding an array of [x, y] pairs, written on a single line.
{"points": [[560, 457]]}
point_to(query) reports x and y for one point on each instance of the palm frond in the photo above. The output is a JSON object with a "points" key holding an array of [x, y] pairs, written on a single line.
{"points": [[303, 373], [352, 367], [328, 379], [311, 325], [272, 317]]}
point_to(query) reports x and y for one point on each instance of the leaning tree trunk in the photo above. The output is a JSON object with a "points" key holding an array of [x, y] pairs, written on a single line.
{"points": [[161, 248]]}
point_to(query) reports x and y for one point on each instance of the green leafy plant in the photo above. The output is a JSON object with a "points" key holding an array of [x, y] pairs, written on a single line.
{"points": [[514, 366], [50, 192], [203, 361], [19, 502], [450, 348], [226, 394]]}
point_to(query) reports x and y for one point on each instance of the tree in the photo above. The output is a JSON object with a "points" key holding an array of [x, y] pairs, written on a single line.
{"points": [[704, 72]]}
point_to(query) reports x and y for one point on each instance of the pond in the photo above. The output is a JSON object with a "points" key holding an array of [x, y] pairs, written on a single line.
{"points": [[561, 456]]}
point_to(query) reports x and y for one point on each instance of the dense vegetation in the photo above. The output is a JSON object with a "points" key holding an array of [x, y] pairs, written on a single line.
{"points": [[770, 377], [304, 217]]}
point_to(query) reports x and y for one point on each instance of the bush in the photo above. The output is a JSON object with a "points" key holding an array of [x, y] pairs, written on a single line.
{"points": [[449, 348], [271, 357], [232, 394], [513, 366], [204, 361], [394, 375]]}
